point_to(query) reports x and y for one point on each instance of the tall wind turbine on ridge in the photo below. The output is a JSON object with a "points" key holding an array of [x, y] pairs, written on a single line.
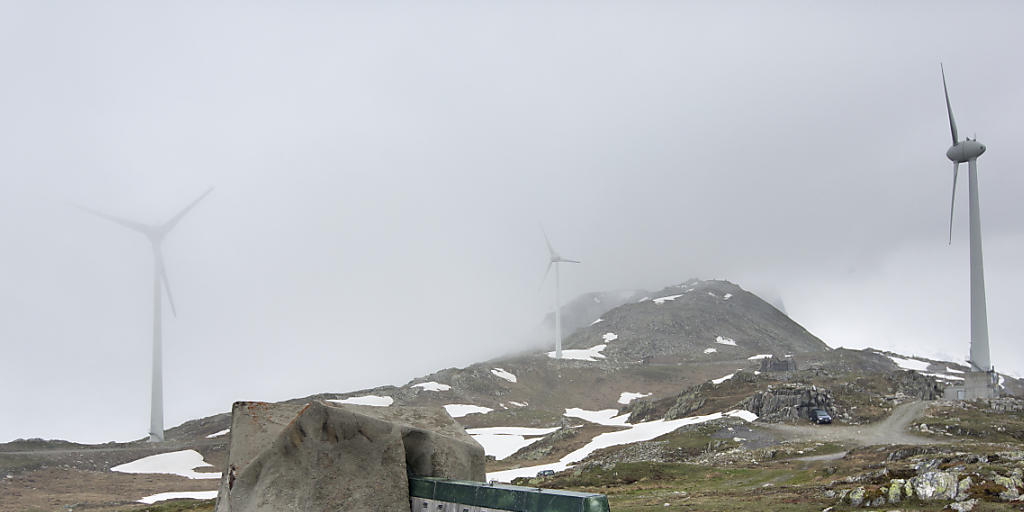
{"points": [[554, 261], [969, 150], [156, 233]]}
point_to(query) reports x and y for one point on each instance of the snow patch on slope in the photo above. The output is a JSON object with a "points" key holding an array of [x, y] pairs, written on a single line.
{"points": [[460, 410], [181, 463], [636, 433], [626, 397], [502, 374], [500, 442], [218, 434], [371, 400], [590, 354], [603, 417], [722, 379], [722, 340], [909, 364], [432, 386], [192, 495]]}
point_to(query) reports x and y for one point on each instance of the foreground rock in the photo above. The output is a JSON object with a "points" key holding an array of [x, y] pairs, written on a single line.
{"points": [[340, 457]]}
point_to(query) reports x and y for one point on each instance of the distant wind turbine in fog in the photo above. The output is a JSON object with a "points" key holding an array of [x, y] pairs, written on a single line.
{"points": [[156, 234], [969, 150], [554, 261]]}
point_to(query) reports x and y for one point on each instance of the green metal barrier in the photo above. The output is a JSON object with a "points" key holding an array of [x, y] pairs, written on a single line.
{"points": [[438, 494]]}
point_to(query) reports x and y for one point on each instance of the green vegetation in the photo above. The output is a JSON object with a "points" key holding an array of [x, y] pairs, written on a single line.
{"points": [[974, 421]]}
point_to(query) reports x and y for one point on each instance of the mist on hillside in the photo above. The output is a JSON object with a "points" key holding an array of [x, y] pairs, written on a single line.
{"points": [[382, 171]]}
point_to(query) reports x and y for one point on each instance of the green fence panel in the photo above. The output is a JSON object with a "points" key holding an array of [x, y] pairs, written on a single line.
{"points": [[506, 497]]}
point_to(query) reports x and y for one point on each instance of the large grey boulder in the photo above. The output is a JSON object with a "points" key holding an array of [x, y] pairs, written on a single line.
{"points": [[342, 457]]}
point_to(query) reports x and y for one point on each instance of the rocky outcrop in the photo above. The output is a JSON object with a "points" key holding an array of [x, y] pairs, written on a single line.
{"points": [[788, 402], [546, 445], [686, 402], [777, 364], [915, 385], [932, 485], [341, 457]]}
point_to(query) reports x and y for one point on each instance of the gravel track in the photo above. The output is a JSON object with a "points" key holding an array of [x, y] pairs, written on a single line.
{"points": [[892, 430]]}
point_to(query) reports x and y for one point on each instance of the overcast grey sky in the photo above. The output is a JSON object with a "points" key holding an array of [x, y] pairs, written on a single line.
{"points": [[381, 169]]}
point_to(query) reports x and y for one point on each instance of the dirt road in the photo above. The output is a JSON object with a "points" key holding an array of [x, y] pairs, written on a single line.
{"points": [[892, 430]]}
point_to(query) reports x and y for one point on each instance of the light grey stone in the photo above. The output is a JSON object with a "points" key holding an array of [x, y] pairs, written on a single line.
{"points": [[935, 485], [347, 457]]}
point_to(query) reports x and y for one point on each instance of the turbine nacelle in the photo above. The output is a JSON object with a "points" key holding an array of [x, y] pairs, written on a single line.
{"points": [[965, 151]]}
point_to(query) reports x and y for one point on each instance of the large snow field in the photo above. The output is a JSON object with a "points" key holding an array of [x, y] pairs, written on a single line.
{"points": [[460, 410], [432, 386], [500, 442], [589, 354], [373, 400], [181, 463], [195, 495], [634, 434], [661, 300]]}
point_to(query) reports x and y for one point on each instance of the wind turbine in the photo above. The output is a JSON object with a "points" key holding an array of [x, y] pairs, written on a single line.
{"points": [[968, 150], [156, 233], [554, 261]]}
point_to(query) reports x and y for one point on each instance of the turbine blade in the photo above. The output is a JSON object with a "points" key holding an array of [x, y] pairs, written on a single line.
{"points": [[571, 261], [546, 272], [167, 282], [551, 250], [135, 226], [949, 109], [956, 169], [169, 225]]}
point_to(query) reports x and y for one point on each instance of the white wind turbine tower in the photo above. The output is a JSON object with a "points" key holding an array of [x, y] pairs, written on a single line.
{"points": [[156, 234], [555, 260], [968, 150]]}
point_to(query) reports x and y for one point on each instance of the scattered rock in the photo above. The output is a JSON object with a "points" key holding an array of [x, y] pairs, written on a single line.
{"points": [[857, 497], [964, 506], [935, 485]]}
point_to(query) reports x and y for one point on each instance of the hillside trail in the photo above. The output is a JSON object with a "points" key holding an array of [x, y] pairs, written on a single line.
{"points": [[892, 430]]}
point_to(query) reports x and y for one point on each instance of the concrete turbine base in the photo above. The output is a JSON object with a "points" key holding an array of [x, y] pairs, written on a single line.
{"points": [[977, 385]]}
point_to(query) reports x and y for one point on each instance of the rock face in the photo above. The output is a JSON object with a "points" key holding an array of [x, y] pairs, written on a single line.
{"points": [[790, 402], [915, 385], [777, 364], [341, 457]]}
